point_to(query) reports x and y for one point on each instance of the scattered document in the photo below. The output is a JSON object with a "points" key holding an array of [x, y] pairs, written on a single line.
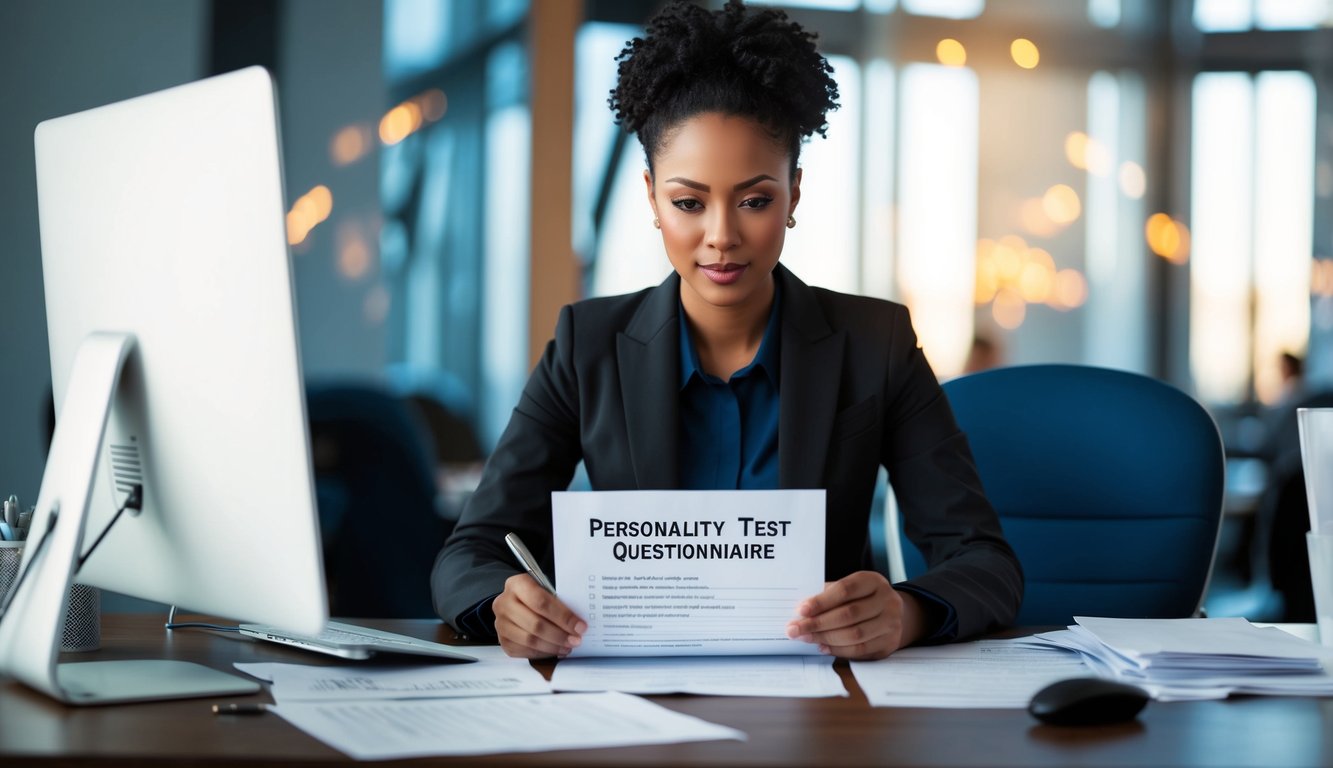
{"points": [[688, 573], [307, 683], [984, 674], [370, 730], [789, 676], [1178, 659]]}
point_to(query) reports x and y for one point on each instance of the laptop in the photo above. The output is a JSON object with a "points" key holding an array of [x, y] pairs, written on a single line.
{"points": [[348, 641]]}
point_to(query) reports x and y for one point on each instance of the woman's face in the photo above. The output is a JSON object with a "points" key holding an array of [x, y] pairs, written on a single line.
{"points": [[722, 192]]}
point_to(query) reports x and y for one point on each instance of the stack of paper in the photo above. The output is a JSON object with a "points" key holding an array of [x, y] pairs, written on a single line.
{"points": [[1198, 658]]}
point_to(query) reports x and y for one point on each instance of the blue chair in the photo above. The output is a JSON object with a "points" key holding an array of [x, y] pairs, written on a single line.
{"points": [[1108, 485], [375, 483]]}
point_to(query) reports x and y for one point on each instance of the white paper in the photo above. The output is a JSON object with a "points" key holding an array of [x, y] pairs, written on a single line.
{"points": [[682, 589], [301, 682], [789, 676], [371, 730], [1188, 659], [985, 674], [1230, 637]]}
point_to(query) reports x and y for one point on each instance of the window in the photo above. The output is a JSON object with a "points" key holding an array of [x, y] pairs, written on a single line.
{"points": [[1253, 194]]}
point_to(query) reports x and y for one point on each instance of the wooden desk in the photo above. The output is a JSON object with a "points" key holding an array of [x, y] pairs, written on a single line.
{"points": [[793, 732]]}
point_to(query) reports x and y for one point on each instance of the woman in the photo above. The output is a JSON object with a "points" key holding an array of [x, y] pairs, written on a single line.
{"points": [[735, 374]]}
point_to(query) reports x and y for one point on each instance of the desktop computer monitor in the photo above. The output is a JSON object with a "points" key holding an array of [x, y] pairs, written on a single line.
{"points": [[174, 358]]}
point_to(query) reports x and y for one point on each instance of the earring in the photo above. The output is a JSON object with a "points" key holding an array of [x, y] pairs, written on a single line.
{"points": [[657, 224], [791, 222]]}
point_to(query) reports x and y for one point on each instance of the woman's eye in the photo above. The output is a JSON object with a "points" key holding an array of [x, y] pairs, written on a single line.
{"points": [[687, 204], [756, 202]]}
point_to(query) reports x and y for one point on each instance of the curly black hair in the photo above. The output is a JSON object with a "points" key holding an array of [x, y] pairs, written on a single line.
{"points": [[737, 61]]}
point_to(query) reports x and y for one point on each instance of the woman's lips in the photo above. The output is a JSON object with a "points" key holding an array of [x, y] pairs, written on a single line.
{"points": [[724, 274]]}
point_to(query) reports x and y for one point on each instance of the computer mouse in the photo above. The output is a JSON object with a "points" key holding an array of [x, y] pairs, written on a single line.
{"points": [[1087, 701]]}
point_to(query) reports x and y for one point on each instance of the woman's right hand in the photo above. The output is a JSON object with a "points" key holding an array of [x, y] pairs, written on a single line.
{"points": [[532, 623]]}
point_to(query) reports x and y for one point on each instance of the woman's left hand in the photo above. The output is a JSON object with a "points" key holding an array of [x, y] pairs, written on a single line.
{"points": [[860, 616]]}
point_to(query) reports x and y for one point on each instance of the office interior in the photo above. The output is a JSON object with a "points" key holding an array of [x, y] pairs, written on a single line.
{"points": [[1135, 184]]}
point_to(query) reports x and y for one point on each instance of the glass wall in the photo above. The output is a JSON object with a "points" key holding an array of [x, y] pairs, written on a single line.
{"points": [[1106, 182], [455, 179]]}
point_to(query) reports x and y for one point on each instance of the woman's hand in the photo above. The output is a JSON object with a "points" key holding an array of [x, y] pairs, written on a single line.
{"points": [[532, 623], [860, 616]]}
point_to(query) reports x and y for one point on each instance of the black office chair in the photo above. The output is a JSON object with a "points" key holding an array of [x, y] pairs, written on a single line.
{"points": [[374, 478]]}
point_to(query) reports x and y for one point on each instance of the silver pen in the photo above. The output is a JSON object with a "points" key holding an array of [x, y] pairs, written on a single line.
{"points": [[12, 512], [528, 562]]}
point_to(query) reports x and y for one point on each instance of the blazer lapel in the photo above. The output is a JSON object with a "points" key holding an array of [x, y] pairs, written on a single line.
{"points": [[647, 354], [811, 369]]}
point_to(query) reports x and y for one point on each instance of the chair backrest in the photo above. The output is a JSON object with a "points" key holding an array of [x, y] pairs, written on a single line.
{"points": [[1108, 485], [374, 477]]}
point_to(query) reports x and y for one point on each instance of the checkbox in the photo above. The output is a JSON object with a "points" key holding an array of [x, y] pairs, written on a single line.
{"points": [[592, 578]]}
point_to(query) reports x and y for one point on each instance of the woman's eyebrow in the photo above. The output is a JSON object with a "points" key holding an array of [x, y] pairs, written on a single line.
{"points": [[705, 188]]}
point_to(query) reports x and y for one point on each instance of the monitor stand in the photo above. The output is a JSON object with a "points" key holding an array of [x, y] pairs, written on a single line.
{"points": [[33, 625]]}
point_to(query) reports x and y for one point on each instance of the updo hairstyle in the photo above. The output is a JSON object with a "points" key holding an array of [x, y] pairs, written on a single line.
{"points": [[740, 62]]}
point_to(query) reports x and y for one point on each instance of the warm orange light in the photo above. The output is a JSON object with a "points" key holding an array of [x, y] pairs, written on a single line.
{"points": [[353, 252], [1087, 154], [322, 199], [400, 122], [307, 212], [349, 145], [1009, 309], [1008, 262], [1167, 238], [1321, 277], [951, 53], [1024, 53], [1061, 203], [1036, 282], [1033, 215], [988, 280], [1071, 289], [1076, 150]]}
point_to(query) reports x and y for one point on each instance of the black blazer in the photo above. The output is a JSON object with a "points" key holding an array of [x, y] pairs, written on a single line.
{"points": [[855, 391]]}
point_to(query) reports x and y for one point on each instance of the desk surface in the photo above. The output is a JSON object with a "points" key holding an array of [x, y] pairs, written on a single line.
{"points": [[843, 731]]}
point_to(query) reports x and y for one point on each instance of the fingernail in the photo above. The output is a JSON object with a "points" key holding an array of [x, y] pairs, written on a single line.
{"points": [[806, 638], [573, 642], [824, 649], [792, 631], [581, 627]]}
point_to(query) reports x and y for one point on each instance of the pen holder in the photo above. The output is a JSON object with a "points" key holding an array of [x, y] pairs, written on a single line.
{"points": [[83, 615]]}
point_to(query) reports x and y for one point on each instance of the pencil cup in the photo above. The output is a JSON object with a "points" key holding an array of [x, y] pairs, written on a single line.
{"points": [[1321, 578], [83, 615], [11, 556]]}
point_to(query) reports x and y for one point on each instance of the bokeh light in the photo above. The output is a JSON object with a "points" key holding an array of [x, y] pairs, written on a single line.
{"points": [[951, 53], [1024, 53], [1133, 181], [307, 212], [1062, 204]]}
